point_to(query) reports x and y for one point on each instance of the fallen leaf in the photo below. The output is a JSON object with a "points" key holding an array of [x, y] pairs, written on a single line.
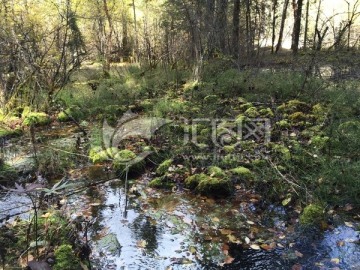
{"points": [[348, 207], [266, 247], [247, 240], [225, 231], [46, 215], [215, 219], [225, 247], [340, 243], [286, 201], [335, 260], [349, 224], [299, 254], [141, 244], [192, 250], [250, 222], [255, 247], [228, 260], [233, 239]]}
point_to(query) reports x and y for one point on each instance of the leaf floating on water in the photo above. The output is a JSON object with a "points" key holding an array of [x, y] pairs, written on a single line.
{"points": [[340, 243], [192, 250], [349, 224], [266, 247], [255, 247], [141, 244]]}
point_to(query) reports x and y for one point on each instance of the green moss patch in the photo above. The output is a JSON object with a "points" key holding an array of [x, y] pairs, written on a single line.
{"points": [[312, 214], [36, 119], [164, 167]]}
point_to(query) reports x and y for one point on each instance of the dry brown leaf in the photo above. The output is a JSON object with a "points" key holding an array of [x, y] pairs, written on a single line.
{"points": [[226, 231], [228, 260]]}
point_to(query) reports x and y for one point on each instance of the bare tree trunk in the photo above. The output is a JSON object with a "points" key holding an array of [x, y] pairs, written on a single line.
{"points": [[221, 24], [282, 25], [210, 27], [316, 25], [274, 8], [136, 33], [297, 7], [108, 46], [249, 30], [306, 24], [236, 29]]}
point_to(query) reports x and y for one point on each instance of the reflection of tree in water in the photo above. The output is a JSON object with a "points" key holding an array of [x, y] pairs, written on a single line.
{"points": [[144, 230]]}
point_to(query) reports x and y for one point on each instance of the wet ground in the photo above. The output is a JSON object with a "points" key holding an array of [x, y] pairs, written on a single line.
{"points": [[136, 227]]}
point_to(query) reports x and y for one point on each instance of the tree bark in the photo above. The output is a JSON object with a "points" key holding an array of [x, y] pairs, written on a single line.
{"points": [[274, 8], [297, 7], [282, 25], [236, 29], [221, 24], [306, 24]]}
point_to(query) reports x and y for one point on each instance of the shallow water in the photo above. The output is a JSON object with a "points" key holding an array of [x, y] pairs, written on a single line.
{"points": [[177, 230]]}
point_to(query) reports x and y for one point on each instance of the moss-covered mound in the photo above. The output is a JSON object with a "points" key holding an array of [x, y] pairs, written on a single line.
{"points": [[66, 259], [74, 112], [36, 119], [209, 185], [164, 167], [312, 214], [161, 182]]}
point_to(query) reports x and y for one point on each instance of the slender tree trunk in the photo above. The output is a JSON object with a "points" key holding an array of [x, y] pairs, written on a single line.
{"points": [[221, 24], [236, 29], [136, 33], [316, 25], [249, 30], [274, 8], [297, 7], [282, 25], [210, 27], [108, 45], [306, 24]]}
